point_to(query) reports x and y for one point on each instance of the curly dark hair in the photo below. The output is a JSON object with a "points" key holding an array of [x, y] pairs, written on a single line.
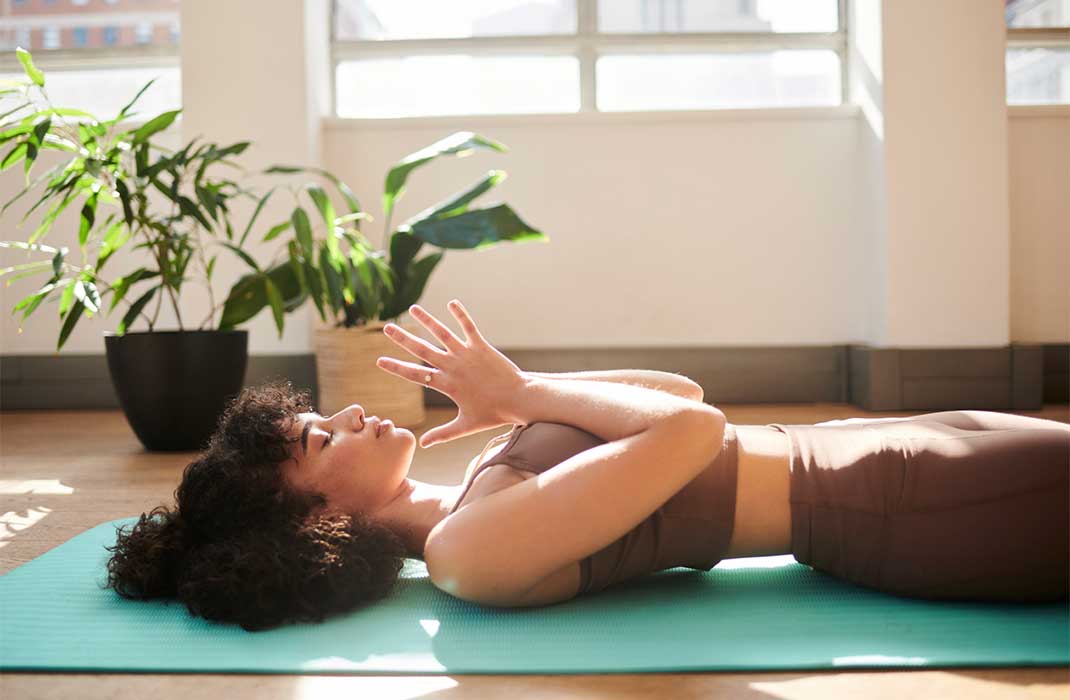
{"points": [[240, 545]]}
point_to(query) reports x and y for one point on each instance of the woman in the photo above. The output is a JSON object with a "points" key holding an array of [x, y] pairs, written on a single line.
{"points": [[291, 516]]}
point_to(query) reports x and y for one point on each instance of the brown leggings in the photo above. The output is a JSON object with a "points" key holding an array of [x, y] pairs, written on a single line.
{"points": [[955, 505]]}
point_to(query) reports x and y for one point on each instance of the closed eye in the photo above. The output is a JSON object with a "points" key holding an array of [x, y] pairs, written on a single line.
{"points": [[328, 439]]}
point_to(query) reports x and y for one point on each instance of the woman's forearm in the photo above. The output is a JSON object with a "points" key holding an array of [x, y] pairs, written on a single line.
{"points": [[610, 410], [675, 384]]}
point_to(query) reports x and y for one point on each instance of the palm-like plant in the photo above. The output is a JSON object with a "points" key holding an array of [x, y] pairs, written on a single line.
{"points": [[363, 284]]}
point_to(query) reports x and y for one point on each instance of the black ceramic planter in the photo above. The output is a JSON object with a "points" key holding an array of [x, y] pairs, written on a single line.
{"points": [[174, 385]]}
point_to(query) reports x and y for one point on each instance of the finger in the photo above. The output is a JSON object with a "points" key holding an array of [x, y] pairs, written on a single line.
{"points": [[413, 372], [440, 433], [414, 344], [440, 331], [462, 316]]}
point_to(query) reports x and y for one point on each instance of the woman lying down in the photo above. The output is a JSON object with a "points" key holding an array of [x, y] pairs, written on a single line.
{"points": [[291, 516]]}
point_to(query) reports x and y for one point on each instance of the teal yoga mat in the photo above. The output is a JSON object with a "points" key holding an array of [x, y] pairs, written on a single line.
{"points": [[770, 613]]}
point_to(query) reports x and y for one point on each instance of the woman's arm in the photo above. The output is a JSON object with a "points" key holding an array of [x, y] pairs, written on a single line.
{"points": [[498, 549], [675, 384]]}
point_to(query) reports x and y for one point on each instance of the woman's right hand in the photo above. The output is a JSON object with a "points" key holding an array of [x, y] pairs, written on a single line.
{"points": [[482, 381]]}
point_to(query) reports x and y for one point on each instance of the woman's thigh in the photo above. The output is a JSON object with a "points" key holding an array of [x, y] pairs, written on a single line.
{"points": [[965, 420], [983, 511]]}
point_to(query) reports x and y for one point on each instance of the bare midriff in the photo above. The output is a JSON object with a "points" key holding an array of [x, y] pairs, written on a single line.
{"points": [[762, 524]]}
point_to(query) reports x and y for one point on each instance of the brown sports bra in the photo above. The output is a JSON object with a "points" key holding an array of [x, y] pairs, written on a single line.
{"points": [[692, 529]]}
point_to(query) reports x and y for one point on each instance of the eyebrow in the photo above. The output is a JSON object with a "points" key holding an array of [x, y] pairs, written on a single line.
{"points": [[304, 436]]}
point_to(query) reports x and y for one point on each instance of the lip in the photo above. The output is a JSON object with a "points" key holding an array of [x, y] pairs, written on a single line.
{"points": [[383, 425]]}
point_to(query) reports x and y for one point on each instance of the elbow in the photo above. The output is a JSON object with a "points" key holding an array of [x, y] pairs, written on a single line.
{"points": [[695, 392]]}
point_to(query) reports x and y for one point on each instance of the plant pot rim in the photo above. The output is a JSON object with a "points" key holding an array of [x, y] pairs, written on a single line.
{"points": [[233, 331], [370, 325]]}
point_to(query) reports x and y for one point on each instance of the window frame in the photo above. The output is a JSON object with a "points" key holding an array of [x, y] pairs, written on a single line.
{"points": [[1037, 38], [585, 45]]}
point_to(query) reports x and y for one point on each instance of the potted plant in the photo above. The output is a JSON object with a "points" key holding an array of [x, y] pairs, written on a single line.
{"points": [[172, 385], [358, 289]]}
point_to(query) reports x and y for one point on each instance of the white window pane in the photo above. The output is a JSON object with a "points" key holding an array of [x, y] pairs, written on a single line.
{"points": [[615, 16], [440, 85], [719, 81], [103, 92], [1037, 13], [428, 19], [86, 25], [1038, 76]]}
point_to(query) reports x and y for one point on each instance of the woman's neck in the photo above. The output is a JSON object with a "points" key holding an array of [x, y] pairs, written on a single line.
{"points": [[415, 511]]}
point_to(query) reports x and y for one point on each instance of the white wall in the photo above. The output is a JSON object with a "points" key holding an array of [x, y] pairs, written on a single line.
{"points": [[669, 232], [945, 137], [1040, 226], [734, 229]]}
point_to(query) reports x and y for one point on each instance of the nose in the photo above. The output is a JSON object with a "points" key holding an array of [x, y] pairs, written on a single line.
{"points": [[357, 412]]}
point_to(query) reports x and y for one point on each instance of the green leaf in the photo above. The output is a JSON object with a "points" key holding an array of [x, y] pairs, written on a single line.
{"points": [[28, 246], [31, 70], [122, 113], [249, 294], [65, 300], [113, 240], [333, 279], [57, 262], [259, 206], [89, 214], [120, 286], [34, 300], [158, 123], [131, 314], [410, 291], [124, 196], [303, 229], [243, 255], [35, 265], [276, 230], [68, 324], [40, 129], [403, 249], [352, 217], [458, 204], [14, 155], [477, 228], [36, 182], [189, 208], [462, 143], [284, 169], [323, 203], [86, 293], [275, 299], [207, 198], [56, 210], [211, 266]]}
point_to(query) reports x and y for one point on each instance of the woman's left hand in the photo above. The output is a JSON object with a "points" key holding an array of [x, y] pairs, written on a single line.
{"points": [[481, 380]]}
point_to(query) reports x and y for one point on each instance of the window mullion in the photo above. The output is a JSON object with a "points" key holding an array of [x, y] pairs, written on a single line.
{"points": [[844, 53], [586, 30]]}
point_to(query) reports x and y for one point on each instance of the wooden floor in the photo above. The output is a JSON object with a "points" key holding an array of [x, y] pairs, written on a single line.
{"points": [[62, 472]]}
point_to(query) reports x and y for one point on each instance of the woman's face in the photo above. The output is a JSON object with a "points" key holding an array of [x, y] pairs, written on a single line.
{"points": [[342, 457]]}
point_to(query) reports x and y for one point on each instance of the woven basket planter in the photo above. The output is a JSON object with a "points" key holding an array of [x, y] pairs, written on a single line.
{"points": [[347, 374]]}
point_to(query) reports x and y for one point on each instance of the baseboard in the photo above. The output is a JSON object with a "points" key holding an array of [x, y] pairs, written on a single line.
{"points": [[1016, 377]]}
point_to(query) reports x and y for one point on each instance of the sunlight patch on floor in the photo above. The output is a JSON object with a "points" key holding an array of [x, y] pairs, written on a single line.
{"points": [[11, 522]]}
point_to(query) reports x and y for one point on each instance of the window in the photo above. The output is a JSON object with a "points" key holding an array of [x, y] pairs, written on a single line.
{"points": [[50, 37], [402, 58], [96, 57], [1038, 51], [143, 32]]}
